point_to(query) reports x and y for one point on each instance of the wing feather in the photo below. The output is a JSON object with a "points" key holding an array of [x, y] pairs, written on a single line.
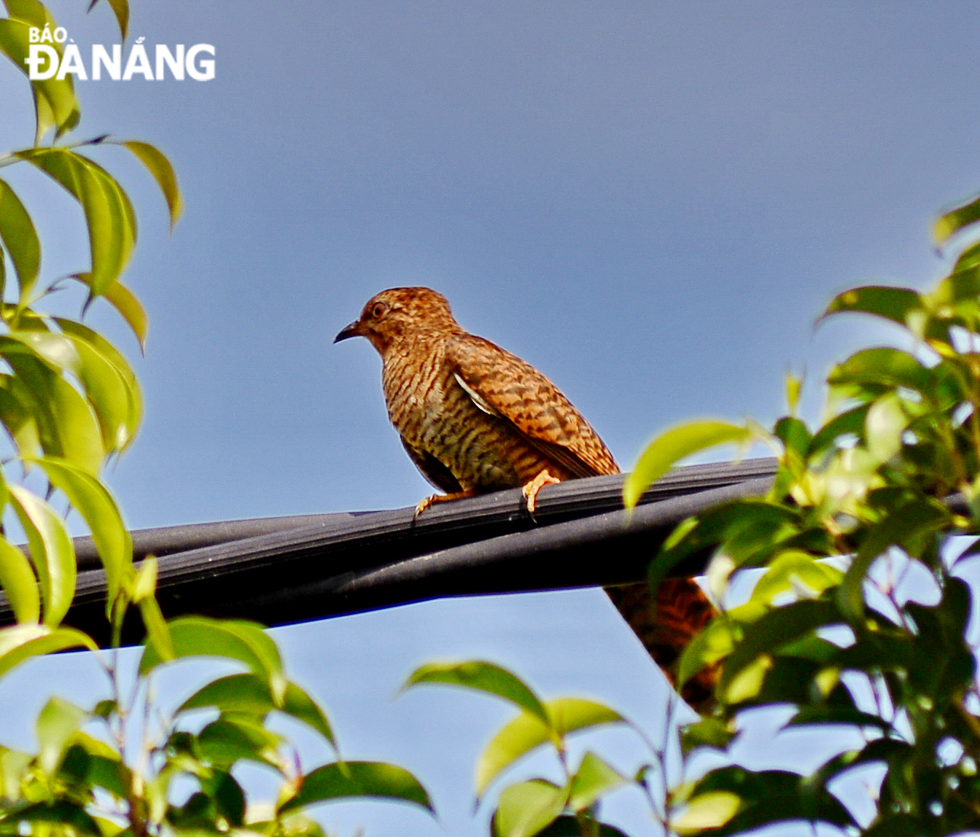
{"points": [[502, 384]]}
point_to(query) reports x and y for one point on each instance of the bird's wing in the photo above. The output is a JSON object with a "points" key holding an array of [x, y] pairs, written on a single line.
{"points": [[433, 470], [504, 385]]}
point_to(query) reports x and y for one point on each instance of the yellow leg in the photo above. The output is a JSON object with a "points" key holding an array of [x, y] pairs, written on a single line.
{"points": [[442, 498], [531, 489]]}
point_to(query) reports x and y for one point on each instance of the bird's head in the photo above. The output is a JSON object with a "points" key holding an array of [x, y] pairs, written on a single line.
{"points": [[401, 313]]}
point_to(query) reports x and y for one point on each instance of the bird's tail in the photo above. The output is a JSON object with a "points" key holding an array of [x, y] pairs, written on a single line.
{"points": [[665, 624]]}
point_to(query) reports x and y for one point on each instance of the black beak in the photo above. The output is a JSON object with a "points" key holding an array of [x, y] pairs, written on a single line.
{"points": [[353, 330]]}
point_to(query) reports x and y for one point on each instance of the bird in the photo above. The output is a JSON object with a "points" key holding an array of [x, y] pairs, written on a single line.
{"points": [[475, 418]]}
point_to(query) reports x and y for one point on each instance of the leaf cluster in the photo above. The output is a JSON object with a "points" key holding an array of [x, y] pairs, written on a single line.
{"points": [[858, 617], [69, 401], [568, 807]]}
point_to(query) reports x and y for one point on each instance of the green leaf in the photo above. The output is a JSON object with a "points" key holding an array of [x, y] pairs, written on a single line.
{"points": [[32, 12], [247, 642], [17, 413], [54, 350], [250, 694], [516, 738], [110, 394], [120, 8], [910, 518], [893, 304], [66, 423], [92, 500], [837, 715], [969, 258], [101, 766], [850, 422], [955, 220], [593, 780], [231, 739], [358, 778], [13, 769], [56, 726], [80, 334], [766, 635], [527, 731], [145, 581], [159, 166], [707, 811], [884, 425], [55, 104], [884, 368], [157, 631], [126, 304], [21, 642], [483, 677], [794, 385], [708, 732], [676, 444], [18, 235], [108, 213], [765, 797], [569, 714], [527, 808], [795, 571], [19, 583], [51, 550], [717, 640]]}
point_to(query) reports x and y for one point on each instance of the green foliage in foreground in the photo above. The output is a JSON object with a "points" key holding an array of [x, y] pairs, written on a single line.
{"points": [[68, 401], [860, 621], [569, 806]]}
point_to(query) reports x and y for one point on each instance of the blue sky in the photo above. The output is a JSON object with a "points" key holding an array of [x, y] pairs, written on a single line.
{"points": [[649, 201]]}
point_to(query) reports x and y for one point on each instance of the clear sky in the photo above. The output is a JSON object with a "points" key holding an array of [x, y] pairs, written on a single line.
{"points": [[649, 201]]}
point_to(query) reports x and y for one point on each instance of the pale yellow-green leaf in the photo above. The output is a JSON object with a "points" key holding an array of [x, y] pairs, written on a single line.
{"points": [[519, 736], [21, 642], [527, 808], [57, 723], [675, 444], [146, 580], [593, 779], [705, 811], [92, 500], [163, 172], [884, 425], [748, 682], [19, 237], [109, 215], [527, 731], [19, 583], [51, 550], [797, 572]]}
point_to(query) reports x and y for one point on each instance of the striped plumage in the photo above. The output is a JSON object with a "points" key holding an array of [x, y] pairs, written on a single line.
{"points": [[474, 418]]}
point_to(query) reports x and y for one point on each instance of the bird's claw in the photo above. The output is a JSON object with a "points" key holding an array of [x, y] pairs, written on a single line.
{"points": [[440, 498], [531, 489]]}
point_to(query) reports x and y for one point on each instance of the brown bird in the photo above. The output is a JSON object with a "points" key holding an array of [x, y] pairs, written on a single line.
{"points": [[474, 418]]}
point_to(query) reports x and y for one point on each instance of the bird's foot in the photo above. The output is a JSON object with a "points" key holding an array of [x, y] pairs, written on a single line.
{"points": [[531, 489], [441, 498]]}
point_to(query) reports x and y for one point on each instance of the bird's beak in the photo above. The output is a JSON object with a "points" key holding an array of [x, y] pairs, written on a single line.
{"points": [[352, 330]]}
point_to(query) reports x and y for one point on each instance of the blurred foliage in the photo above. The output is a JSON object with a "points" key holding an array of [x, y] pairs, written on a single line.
{"points": [[69, 401], [860, 619], [568, 807]]}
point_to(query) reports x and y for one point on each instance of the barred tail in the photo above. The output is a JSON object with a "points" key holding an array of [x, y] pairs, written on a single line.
{"points": [[666, 625]]}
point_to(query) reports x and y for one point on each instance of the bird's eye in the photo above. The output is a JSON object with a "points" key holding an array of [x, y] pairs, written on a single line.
{"points": [[379, 310]]}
